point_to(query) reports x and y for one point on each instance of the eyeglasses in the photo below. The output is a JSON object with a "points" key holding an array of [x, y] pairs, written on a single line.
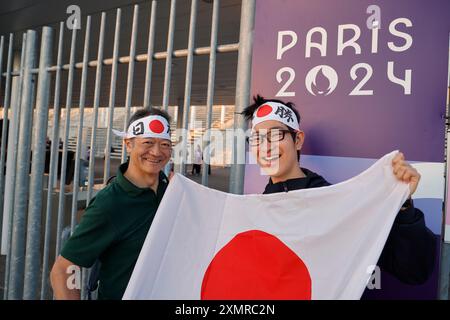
{"points": [[275, 135]]}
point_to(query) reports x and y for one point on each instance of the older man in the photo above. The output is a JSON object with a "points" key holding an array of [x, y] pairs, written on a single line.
{"points": [[116, 222]]}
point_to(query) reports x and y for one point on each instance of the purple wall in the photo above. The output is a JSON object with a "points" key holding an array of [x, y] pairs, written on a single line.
{"points": [[385, 121], [361, 126]]}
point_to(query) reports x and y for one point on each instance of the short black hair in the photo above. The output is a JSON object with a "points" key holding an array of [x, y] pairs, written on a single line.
{"points": [[142, 113], [259, 100]]}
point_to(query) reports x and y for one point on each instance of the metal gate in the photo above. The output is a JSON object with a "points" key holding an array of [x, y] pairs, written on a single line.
{"points": [[29, 85]]}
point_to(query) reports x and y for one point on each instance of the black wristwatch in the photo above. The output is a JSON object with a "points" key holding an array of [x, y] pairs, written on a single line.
{"points": [[407, 204]]}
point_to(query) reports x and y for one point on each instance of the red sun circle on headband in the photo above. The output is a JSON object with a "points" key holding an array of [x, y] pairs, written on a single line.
{"points": [[156, 126], [264, 111], [256, 265]]}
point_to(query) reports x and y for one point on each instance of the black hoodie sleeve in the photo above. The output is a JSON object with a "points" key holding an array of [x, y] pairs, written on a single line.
{"points": [[410, 249]]}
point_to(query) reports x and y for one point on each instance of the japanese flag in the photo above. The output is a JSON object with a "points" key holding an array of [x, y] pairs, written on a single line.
{"points": [[306, 244]]}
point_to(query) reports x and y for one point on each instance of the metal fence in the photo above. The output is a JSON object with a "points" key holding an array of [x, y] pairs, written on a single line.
{"points": [[27, 195]]}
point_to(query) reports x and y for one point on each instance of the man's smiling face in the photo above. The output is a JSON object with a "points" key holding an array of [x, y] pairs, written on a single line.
{"points": [[149, 155]]}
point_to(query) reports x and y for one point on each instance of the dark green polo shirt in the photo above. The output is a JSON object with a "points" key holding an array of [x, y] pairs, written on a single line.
{"points": [[113, 229]]}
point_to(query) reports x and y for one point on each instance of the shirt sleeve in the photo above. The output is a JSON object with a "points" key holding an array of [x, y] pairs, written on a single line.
{"points": [[93, 235]]}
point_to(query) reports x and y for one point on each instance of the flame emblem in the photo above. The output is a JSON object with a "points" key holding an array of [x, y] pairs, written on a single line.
{"points": [[321, 80]]}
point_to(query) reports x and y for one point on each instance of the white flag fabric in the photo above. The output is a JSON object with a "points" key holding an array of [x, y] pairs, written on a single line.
{"points": [[316, 243]]}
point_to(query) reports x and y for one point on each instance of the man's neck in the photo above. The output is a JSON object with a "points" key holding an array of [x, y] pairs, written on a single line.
{"points": [[141, 179], [295, 173]]}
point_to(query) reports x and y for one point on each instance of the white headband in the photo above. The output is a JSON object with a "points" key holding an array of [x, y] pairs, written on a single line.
{"points": [[275, 111], [149, 127]]}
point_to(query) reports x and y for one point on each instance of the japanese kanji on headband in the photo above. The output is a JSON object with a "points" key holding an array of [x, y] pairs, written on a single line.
{"points": [[275, 111]]}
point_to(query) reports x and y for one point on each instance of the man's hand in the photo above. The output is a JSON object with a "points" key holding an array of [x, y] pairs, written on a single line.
{"points": [[405, 172]]}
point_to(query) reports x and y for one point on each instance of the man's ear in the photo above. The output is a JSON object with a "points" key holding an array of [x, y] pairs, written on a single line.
{"points": [[129, 144], [299, 140]]}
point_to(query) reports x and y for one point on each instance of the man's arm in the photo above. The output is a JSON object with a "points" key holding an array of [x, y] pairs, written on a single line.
{"points": [[410, 249], [92, 236], [62, 286]]}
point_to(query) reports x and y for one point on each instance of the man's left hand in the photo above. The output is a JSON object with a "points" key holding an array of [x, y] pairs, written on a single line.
{"points": [[405, 172]]}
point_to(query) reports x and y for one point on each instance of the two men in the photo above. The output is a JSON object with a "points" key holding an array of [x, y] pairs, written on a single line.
{"points": [[116, 222], [276, 140]]}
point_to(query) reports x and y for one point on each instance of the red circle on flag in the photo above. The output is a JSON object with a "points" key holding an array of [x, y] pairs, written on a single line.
{"points": [[256, 265], [264, 111], [156, 126]]}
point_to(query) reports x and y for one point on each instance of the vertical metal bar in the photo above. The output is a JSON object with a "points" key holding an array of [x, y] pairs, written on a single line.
{"points": [[192, 117], [11, 163], [6, 121], [168, 69], [222, 115], [150, 51], [79, 144], [130, 75], [175, 114], [76, 175], [98, 79], [112, 98], [22, 181], [444, 268], [85, 273], [2, 45], [33, 251], [188, 83], [444, 272], [62, 179], [242, 92], [53, 168], [210, 94]]}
